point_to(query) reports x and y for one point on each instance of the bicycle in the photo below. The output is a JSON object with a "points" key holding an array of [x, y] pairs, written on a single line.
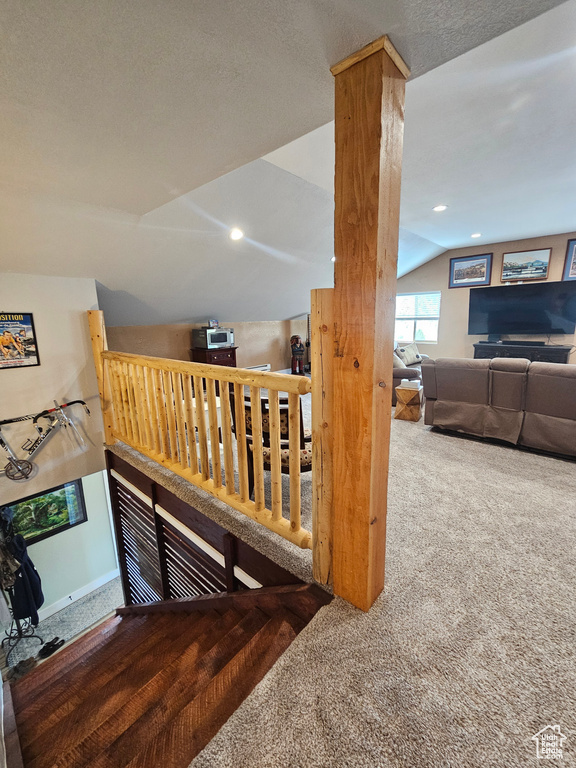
{"points": [[20, 468]]}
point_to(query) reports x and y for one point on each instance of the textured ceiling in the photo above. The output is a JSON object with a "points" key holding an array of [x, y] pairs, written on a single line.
{"points": [[128, 105], [490, 134], [131, 132]]}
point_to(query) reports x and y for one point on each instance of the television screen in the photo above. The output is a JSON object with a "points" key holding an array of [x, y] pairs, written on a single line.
{"points": [[529, 308]]}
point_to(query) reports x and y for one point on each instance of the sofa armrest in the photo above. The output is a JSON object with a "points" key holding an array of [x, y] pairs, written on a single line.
{"points": [[406, 373]]}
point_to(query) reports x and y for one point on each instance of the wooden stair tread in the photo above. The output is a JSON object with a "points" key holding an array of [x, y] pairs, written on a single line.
{"points": [[190, 731], [32, 686], [111, 729], [59, 688], [152, 724], [86, 693], [151, 689]]}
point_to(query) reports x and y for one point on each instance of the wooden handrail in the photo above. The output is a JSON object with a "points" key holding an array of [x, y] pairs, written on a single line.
{"points": [[281, 382]]}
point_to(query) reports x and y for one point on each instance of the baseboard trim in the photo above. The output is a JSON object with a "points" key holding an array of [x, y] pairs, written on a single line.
{"points": [[50, 610]]}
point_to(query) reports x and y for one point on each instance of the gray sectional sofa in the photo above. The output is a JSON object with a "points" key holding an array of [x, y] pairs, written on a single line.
{"points": [[510, 399]]}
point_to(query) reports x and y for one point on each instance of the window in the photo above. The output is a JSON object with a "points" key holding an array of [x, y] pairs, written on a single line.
{"points": [[417, 316]]}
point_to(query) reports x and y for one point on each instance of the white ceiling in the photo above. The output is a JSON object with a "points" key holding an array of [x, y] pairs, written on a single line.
{"points": [[131, 132], [490, 134]]}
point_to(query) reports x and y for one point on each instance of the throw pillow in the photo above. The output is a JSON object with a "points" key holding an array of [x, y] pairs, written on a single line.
{"points": [[409, 354], [396, 362]]}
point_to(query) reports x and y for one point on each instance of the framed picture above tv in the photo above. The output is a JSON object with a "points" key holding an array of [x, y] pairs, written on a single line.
{"points": [[570, 263], [48, 513], [467, 271], [525, 265]]}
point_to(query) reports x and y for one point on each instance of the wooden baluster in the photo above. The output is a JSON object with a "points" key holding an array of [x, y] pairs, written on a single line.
{"points": [[180, 423], [152, 407], [161, 408], [132, 405], [226, 419], [294, 446], [241, 441], [119, 418], [214, 433], [143, 408], [190, 423], [257, 456], [169, 399], [201, 424], [275, 460], [122, 378]]}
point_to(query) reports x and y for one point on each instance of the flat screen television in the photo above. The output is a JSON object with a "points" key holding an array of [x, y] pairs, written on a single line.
{"points": [[529, 308]]}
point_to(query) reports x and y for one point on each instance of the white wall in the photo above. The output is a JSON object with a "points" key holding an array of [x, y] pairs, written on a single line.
{"points": [[72, 561], [66, 372], [80, 559]]}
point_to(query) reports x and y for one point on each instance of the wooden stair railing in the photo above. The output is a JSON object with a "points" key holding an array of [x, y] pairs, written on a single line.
{"points": [[179, 414]]}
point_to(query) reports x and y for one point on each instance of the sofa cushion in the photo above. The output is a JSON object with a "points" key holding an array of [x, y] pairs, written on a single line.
{"points": [[508, 382], [551, 390], [397, 362], [409, 354], [461, 380]]}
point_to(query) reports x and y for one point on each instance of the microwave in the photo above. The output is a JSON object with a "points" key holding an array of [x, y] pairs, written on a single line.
{"points": [[212, 338]]}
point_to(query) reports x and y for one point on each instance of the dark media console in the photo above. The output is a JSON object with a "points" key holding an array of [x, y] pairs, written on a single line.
{"points": [[543, 353]]}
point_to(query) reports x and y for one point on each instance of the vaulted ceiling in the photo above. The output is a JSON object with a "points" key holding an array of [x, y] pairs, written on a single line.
{"points": [[131, 134]]}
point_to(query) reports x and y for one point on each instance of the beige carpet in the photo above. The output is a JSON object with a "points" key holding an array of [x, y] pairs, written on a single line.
{"points": [[467, 654]]}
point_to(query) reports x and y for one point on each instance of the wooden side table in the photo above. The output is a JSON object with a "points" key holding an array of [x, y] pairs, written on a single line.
{"points": [[220, 356], [408, 404]]}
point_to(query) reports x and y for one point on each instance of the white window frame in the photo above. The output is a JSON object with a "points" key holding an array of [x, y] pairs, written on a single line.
{"points": [[415, 318]]}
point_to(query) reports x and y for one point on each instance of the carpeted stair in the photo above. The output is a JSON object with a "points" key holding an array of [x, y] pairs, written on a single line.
{"points": [[151, 689]]}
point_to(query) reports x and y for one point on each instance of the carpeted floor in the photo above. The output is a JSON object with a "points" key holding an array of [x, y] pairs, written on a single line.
{"points": [[469, 651], [72, 620]]}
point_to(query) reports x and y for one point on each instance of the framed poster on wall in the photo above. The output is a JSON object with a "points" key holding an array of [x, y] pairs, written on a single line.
{"points": [[570, 263], [18, 346], [525, 265], [468, 271]]}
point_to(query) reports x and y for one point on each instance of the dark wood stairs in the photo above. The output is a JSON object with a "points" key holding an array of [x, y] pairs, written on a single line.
{"points": [[151, 686]]}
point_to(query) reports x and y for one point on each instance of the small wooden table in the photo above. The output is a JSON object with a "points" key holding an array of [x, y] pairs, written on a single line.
{"points": [[408, 404]]}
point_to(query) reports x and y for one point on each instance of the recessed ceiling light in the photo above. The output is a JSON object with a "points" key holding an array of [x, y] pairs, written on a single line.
{"points": [[476, 234], [333, 258], [439, 208], [236, 234]]}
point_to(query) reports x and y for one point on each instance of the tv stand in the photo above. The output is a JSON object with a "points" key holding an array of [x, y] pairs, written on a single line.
{"points": [[535, 352]]}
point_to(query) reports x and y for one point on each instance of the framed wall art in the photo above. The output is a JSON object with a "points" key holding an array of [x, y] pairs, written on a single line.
{"points": [[467, 271], [18, 348], [525, 265], [48, 513], [570, 263]]}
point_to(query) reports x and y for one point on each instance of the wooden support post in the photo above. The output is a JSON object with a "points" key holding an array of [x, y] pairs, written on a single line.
{"points": [[322, 355], [99, 345], [368, 133]]}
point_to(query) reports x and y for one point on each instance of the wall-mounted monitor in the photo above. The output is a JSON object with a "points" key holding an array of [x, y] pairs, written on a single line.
{"points": [[525, 309]]}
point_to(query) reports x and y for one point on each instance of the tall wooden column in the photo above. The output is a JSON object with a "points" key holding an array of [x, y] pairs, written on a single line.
{"points": [[369, 129]]}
